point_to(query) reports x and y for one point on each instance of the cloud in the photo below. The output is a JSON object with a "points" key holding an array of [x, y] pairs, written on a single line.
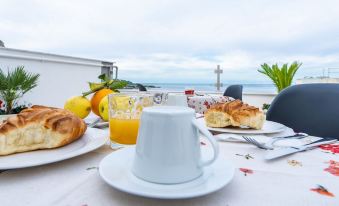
{"points": [[237, 66], [172, 40]]}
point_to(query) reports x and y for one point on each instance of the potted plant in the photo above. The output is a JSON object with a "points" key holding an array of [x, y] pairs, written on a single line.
{"points": [[13, 85], [281, 77]]}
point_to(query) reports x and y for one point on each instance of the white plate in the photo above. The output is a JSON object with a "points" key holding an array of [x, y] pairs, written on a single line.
{"points": [[91, 140], [268, 128], [115, 170]]}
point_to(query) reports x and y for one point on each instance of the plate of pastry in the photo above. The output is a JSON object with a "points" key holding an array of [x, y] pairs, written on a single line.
{"points": [[41, 135], [238, 117]]}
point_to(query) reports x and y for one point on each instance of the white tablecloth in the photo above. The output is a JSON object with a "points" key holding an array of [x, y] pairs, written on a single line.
{"points": [[76, 182]]}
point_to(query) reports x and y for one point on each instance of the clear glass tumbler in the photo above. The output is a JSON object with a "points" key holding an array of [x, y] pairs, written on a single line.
{"points": [[124, 117]]}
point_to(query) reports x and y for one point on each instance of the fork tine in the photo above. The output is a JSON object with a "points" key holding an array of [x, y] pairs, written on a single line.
{"points": [[249, 140], [246, 138], [254, 142], [259, 144]]}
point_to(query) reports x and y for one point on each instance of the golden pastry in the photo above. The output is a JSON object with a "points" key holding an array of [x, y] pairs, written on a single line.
{"points": [[39, 127], [234, 113]]}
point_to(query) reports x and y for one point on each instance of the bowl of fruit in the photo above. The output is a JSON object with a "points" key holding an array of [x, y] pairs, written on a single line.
{"points": [[95, 100]]}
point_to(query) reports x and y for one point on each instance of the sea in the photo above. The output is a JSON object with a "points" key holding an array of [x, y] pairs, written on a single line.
{"points": [[247, 88]]}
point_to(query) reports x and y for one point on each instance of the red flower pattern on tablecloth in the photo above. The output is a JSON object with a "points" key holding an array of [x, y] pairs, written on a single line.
{"points": [[333, 168], [246, 171], [207, 105], [334, 148], [323, 191]]}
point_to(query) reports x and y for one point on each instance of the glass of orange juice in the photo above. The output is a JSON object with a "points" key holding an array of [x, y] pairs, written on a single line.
{"points": [[124, 116]]}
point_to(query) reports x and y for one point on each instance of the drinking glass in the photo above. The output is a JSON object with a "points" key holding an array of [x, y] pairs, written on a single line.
{"points": [[160, 98], [124, 116]]}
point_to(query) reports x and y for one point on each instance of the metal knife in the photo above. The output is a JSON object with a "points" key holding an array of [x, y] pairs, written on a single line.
{"points": [[276, 153]]}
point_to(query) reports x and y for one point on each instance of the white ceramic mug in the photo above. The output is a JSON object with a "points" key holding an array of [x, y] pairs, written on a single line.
{"points": [[168, 146], [176, 100]]}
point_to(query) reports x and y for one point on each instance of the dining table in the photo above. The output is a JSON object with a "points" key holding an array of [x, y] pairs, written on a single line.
{"points": [[306, 178]]}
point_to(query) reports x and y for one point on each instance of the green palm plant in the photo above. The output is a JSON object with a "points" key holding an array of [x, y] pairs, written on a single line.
{"points": [[281, 77], [14, 84]]}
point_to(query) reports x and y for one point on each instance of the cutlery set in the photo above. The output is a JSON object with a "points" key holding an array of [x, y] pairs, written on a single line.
{"points": [[281, 152], [277, 152]]}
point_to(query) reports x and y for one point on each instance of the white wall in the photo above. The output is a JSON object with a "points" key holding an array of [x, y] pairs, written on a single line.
{"points": [[60, 77], [258, 99]]}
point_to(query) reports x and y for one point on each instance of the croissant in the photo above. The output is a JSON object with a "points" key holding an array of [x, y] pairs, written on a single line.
{"points": [[39, 127], [234, 113]]}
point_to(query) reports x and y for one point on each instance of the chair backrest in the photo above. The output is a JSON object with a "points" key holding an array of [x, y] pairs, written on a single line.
{"points": [[309, 108], [141, 87], [234, 91]]}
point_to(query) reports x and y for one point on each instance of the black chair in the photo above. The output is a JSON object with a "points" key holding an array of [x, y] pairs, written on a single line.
{"points": [[141, 87], [234, 91], [309, 108]]}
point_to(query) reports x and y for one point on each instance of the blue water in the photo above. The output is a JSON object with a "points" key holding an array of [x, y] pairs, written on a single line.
{"points": [[250, 88]]}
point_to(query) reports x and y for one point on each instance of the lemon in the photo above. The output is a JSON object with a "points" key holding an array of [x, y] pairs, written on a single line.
{"points": [[103, 108], [78, 105]]}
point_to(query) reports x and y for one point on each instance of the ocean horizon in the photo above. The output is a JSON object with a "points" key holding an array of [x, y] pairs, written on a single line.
{"points": [[210, 87]]}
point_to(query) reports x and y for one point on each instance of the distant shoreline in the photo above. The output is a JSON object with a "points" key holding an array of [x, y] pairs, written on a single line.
{"points": [[249, 87]]}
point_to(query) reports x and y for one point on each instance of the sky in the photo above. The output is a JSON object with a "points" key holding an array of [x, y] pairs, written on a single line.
{"points": [[180, 41]]}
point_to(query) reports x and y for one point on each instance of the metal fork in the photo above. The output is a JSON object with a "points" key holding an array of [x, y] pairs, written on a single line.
{"points": [[256, 143], [269, 145]]}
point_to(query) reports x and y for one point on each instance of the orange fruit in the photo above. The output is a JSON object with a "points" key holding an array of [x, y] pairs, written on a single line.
{"points": [[97, 97]]}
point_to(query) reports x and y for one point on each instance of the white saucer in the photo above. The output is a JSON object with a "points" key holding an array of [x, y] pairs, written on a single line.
{"points": [[115, 170]]}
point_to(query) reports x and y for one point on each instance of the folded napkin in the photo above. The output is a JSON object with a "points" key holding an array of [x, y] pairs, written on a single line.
{"points": [[265, 138]]}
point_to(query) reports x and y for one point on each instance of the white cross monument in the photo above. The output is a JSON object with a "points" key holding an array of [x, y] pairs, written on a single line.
{"points": [[218, 71]]}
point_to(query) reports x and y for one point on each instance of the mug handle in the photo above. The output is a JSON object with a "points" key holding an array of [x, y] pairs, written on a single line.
{"points": [[211, 139]]}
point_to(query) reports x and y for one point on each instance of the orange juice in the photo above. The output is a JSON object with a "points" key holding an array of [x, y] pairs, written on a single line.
{"points": [[124, 131]]}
